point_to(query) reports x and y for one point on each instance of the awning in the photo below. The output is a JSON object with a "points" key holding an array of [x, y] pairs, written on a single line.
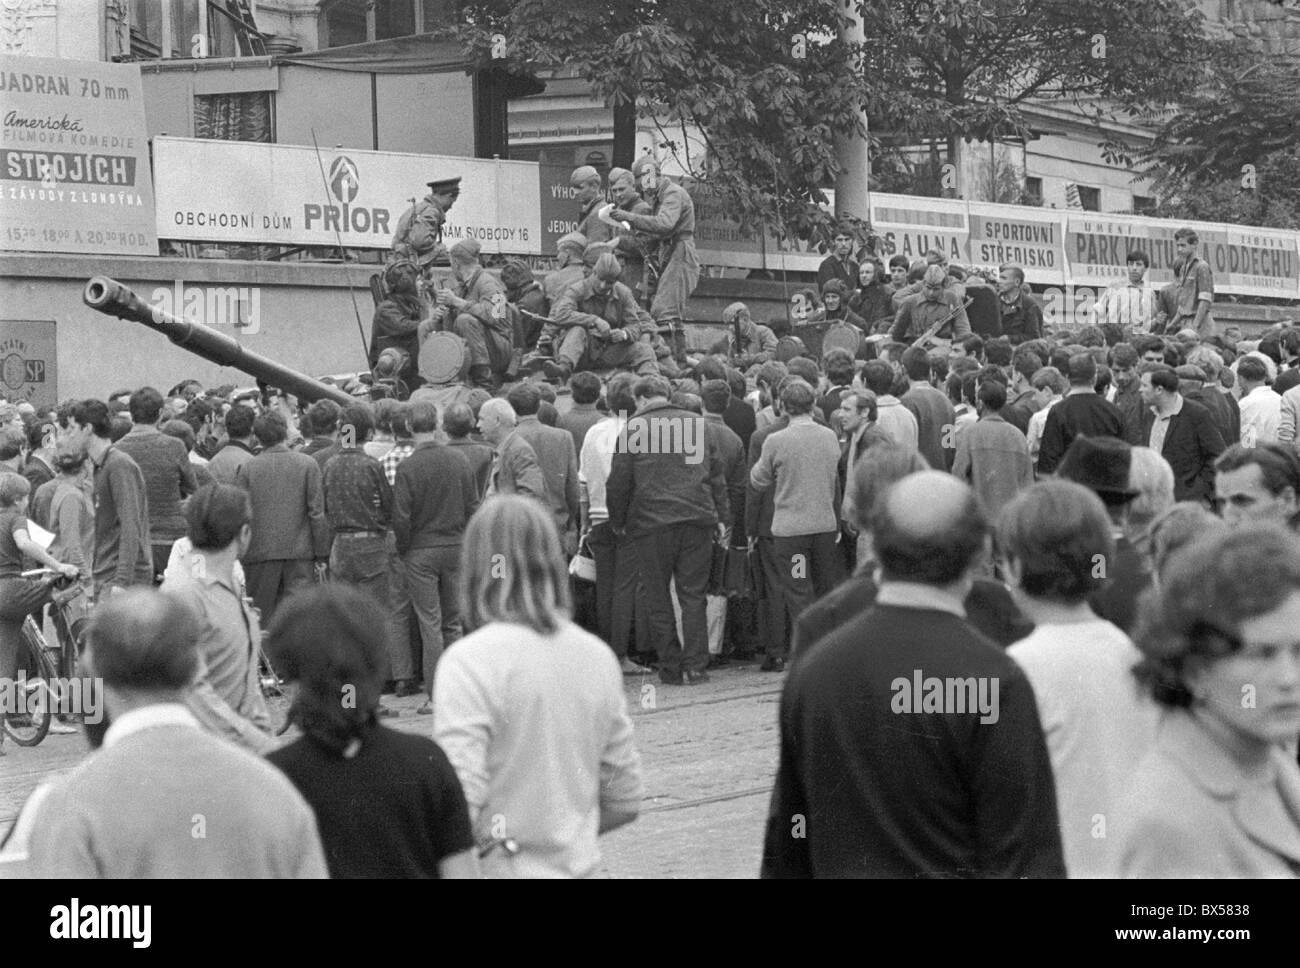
{"points": [[418, 54]]}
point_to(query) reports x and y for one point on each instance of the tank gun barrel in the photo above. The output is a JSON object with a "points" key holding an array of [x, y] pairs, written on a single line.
{"points": [[110, 297]]}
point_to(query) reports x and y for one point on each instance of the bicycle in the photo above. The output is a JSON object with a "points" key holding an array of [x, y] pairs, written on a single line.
{"points": [[44, 669]]}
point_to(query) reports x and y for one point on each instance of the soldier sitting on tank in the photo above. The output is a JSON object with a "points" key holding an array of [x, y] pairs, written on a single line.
{"points": [[601, 324], [557, 284], [569, 268], [475, 310], [418, 236], [757, 343], [835, 307], [397, 319], [525, 293]]}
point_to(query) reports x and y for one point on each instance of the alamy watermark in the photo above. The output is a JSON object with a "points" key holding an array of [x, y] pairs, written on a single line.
{"points": [[75, 921], [236, 306], [62, 696], [953, 694], [652, 434]]}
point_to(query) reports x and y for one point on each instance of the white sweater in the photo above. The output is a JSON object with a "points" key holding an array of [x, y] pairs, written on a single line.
{"points": [[1098, 727], [538, 730]]}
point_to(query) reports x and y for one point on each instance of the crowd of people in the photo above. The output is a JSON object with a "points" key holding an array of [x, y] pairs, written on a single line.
{"points": [[1067, 557]]}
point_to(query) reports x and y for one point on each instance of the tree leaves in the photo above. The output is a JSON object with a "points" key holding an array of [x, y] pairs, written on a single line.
{"points": [[768, 117], [1231, 152]]}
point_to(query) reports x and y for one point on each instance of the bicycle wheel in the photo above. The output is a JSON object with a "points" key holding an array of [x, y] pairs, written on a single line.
{"points": [[28, 721]]}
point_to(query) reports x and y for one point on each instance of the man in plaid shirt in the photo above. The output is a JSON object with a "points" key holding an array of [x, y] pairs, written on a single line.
{"points": [[402, 449]]}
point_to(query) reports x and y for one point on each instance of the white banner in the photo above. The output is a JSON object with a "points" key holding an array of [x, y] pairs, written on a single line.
{"points": [[231, 191], [74, 158]]}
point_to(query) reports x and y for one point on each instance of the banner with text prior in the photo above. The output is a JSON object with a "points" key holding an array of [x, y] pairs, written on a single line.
{"points": [[74, 158], [228, 191]]}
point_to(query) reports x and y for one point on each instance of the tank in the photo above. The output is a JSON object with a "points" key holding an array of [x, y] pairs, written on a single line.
{"points": [[110, 297]]}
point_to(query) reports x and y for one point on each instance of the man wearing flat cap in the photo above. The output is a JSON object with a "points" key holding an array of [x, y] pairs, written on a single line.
{"points": [[602, 324], [671, 230], [419, 231], [475, 310], [591, 196]]}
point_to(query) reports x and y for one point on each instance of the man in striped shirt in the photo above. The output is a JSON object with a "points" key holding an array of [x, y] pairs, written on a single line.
{"points": [[1131, 303]]}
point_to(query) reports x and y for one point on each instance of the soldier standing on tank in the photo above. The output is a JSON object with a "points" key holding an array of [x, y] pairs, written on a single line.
{"points": [[671, 230], [591, 196], [419, 231], [632, 245]]}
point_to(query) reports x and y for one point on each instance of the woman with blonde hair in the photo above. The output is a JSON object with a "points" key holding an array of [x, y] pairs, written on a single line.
{"points": [[529, 708]]}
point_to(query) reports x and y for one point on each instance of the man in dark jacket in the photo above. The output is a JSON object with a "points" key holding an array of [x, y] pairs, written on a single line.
{"points": [[1022, 398], [840, 264], [290, 529], [667, 493], [1128, 396], [1191, 384], [434, 496], [1083, 413], [1022, 319], [876, 778], [397, 320], [1182, 432]]}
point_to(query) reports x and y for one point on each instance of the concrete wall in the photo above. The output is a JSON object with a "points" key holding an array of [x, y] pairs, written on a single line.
{"points": [[305, 318]]}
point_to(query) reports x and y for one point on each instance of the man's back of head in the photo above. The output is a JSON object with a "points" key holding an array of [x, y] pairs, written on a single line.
{"points": [[928, 529], [458, 421], [525, 399], [652, 388], [1052, 534], [805, 369], [422, 417], [143, 646], [239, 422], [12, 443], [715, 394], [916, 364], [585, 387], [1082, 371], [878, 377]]}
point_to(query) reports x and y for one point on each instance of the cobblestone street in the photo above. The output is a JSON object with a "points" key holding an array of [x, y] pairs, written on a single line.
{"points": [[708, 755]]}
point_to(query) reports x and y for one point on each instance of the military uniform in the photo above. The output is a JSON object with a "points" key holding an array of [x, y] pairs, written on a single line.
{"points": [[591, 226], [556, 284], [418, 236], [757, 344], [670, 226], [585, 346], [396, 325], [632, 248], [484, 324]]}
